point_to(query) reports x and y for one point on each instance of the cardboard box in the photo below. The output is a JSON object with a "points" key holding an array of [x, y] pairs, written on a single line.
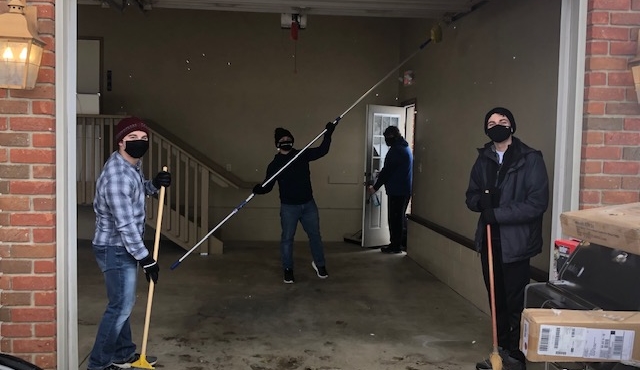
{"points": [[574, 335], [616, 227]]}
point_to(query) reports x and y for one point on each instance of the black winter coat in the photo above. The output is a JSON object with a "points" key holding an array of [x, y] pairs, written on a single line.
{"points": [[521, 188]]}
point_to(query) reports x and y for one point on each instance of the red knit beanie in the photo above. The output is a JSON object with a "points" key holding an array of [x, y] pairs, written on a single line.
{"points": [[129, 125]]}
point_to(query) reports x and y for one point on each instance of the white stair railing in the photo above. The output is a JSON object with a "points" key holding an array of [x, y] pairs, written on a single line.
{"points": [[186, 211]]}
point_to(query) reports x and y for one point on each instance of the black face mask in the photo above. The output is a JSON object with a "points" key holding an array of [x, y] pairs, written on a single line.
{"points": [[389, 140], [285, 145], [136, 148], [499, 133]]}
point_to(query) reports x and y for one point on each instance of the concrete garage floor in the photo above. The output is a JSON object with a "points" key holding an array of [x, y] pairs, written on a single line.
{"points": [[233, 311]]}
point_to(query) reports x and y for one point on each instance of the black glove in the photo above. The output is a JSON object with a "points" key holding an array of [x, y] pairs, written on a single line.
{"points": [[151, 268], [489, 216], [163, 178], [330, 127], [486, 201], [258, 189]]}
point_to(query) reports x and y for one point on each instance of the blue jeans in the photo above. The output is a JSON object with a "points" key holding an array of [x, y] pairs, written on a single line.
{"points": [[308, 216], [113, 340]]}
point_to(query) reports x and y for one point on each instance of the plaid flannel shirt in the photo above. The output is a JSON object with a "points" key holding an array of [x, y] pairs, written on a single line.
{"points": [[119, 205]]}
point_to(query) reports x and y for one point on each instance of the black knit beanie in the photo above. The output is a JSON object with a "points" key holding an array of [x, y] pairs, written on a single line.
{"points": [[503, 112], [280, 133]]}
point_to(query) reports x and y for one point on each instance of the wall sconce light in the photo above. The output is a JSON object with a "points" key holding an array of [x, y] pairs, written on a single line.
{"points": [[635, 69], [20, 47]]}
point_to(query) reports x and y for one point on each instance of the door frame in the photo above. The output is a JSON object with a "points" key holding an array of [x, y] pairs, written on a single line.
{"points": [[66, 23], [382, 207]]}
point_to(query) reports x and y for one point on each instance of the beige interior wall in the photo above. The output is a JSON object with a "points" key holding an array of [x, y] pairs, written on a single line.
{"points": [[455, 265], [223, 81], [504, 54], [239, 84]]}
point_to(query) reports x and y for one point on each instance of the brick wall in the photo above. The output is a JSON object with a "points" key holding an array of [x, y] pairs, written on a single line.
{"points": [[27, 211], [610, 145]]}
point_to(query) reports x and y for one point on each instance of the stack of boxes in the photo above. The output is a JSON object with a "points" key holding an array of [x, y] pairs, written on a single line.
{"points": [[566, 335]]}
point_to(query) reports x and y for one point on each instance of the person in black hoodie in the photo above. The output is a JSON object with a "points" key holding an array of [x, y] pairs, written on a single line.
{"points": [[396, 176], [509, 186], [296, 198]]}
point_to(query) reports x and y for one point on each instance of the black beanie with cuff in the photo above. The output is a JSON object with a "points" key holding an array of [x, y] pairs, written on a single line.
{"points": [[503, 112]]}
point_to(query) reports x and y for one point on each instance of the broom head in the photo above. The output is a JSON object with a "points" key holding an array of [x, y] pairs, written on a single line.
{"points": [[496, 361]]}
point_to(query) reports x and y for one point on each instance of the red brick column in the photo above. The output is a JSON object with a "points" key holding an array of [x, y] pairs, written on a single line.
{"points": [[27, 211], [611, 138]]}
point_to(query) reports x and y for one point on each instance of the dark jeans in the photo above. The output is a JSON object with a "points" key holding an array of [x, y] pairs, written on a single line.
{"points": [[113, 340], [308, 216], [510, 281], [397, 219]]}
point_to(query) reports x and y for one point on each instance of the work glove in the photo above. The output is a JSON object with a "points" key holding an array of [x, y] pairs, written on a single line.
{"points": [[258, 189], [489, 216], [486, 201], [163, 178], [330, 127], [150, 267]]}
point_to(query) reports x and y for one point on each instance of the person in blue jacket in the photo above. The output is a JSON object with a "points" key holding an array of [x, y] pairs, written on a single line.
{"points": [[396, 176], [509, 187]]}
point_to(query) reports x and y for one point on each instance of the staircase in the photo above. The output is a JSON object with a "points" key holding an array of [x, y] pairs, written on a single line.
{"points": [[185, 219]]}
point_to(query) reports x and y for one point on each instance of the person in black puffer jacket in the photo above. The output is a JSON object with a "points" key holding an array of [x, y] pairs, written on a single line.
{"points": [[509, 186]]}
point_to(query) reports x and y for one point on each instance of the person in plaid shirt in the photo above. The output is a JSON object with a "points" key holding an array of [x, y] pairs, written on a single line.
{"points": [[119, 205]]}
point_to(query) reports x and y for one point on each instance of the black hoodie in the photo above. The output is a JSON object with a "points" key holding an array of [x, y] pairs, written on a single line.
{"points": [[295, 181]]}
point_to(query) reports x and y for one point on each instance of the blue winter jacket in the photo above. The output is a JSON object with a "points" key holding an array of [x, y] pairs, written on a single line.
{"points": [[397, 172]]}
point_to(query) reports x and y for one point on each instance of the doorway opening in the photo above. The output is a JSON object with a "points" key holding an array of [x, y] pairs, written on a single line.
{"points": [[375, 228]]}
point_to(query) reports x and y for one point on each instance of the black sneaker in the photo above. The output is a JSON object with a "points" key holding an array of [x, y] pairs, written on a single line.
{"points": [[152, 360], [390, 250], [321, 271], [514, 364], [288, 276]]}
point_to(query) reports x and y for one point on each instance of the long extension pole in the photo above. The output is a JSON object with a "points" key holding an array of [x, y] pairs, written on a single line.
{"points": [[334, 122]]}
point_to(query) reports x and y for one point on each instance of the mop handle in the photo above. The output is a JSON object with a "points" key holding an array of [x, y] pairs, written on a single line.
{"points": [[156, 242], [235, 210], [334, 122], [492, 290], [384, 78]]}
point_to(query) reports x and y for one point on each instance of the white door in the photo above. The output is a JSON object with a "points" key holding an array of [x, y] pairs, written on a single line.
{"points": [[375, 228]]}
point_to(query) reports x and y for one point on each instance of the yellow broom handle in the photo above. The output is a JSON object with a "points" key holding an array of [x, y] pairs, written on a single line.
{"points": [[156, 242]]}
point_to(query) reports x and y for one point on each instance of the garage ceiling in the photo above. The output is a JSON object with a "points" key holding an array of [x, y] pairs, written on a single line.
{"points": [[435, 9]]}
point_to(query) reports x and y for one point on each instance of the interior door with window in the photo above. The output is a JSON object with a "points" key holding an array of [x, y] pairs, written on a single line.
{"points": [[375, 227]]}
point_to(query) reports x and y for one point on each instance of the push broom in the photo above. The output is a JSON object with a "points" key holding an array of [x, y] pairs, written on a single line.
{"points": [[142, 362], [494, 358]]}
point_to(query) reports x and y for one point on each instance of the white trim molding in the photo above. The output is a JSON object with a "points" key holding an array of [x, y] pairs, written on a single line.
{"points": [[566, 173], [66, 208]]}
